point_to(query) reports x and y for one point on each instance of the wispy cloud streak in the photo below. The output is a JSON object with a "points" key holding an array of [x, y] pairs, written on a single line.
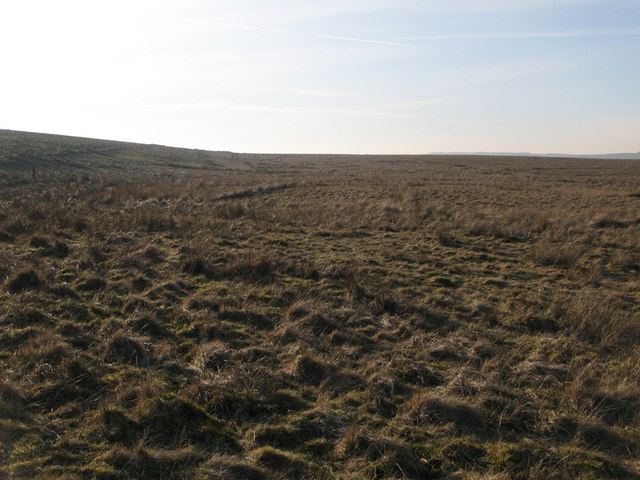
{"points": [[300, 111], [507, 36], [361, 40], [286, 32]]}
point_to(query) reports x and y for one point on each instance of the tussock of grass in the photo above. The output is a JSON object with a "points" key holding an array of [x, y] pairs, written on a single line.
{"points": [[276, 460], [91, 284], [26, 279], [12, 405], [123, 347], [427, 408], [561, 254], [173, 420], [384, 456], [596, 320], [143, 462], [602, 437], [231, 468], [538, 371]]}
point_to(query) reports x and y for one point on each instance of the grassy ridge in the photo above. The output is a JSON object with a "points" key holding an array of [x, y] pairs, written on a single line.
{"points": [[58, 157], [211, 315]]}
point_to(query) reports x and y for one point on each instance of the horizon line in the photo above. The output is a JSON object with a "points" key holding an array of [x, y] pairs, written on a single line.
{"points": [[469, 153]]}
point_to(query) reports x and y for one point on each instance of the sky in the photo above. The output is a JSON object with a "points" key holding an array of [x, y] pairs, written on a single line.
{"points": [[331, 76]]}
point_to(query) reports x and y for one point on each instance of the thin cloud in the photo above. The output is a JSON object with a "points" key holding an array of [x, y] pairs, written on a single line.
{"points": [[323, 93], [298, 111], [386, 100], [361, 40], [345, 111], [285, 12], [507, 36], [287, 32], [507, 72], [511, 5], [404, 115]]}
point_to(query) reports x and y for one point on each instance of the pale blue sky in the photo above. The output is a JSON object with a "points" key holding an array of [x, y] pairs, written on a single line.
{"points": [[351, 76]]}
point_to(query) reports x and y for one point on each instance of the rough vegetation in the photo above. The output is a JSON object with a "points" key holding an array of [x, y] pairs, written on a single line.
{"points": [[180, 314]]}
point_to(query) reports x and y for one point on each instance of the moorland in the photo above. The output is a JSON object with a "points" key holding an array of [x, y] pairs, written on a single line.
{"points": [[171, 314]]}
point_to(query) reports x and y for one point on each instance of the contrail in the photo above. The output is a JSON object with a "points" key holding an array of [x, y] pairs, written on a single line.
{"points": [[286, 32]]}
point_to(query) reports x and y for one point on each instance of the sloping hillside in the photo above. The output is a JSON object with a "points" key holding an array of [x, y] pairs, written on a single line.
{"points": [[56, 157]]}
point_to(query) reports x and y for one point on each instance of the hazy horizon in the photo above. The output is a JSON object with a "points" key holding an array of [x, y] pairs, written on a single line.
{"points": [[377, 76]]}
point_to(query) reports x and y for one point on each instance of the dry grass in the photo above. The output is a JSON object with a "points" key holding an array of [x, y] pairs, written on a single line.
{"points": [[209, 315]]}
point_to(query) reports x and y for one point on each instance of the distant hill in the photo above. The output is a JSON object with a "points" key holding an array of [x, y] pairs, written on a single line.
{"points": [[603, 156]]}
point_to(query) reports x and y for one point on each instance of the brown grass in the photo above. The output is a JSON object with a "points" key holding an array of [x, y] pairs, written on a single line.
{"points": [[205, 315]]}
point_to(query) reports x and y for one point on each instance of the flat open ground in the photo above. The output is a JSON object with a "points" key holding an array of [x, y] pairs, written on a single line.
{"points": [[173, 313]]}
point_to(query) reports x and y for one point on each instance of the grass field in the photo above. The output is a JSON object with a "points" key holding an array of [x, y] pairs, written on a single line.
{"points": [[171, 313]]}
